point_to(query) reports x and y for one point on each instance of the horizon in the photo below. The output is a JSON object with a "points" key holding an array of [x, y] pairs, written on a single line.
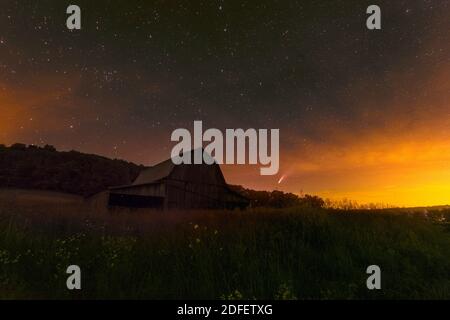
{"points": [[336, 201], [363, 114]]}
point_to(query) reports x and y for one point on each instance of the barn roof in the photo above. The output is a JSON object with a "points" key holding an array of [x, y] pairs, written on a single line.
{"points": [[155, 173], [162, 170]]}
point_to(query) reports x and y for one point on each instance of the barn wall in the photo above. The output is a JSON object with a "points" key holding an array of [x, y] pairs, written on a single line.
{"points": [[200, 174], [190, 195], [135, 201]]}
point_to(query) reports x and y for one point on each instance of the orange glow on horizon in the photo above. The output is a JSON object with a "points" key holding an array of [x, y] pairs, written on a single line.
{"points": [[400, 173]]}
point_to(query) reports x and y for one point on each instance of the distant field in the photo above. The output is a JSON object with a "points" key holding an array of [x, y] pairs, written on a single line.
{"points": [[37, 196], [256, 254]]}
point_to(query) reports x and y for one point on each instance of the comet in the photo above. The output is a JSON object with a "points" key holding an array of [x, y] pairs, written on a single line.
{"points": [[281, 179]]}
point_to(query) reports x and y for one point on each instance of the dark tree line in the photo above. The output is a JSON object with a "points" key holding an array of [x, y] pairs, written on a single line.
{"points": [[31, 167], [279, 199]]}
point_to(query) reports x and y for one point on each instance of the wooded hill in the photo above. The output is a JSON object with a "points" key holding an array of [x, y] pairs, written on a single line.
{"points": [[31, 167]]}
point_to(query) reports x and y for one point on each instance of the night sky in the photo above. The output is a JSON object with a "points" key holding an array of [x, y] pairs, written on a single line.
{"points": [[362, 114]]}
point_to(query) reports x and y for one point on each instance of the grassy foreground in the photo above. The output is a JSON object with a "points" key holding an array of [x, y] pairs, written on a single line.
{"points": [[258, 254]]}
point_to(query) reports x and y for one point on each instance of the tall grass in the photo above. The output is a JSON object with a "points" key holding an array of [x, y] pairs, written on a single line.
{"points": [[256, 254]]}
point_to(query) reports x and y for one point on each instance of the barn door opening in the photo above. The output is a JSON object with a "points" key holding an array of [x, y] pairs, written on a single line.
{"points": [[135, 201]]}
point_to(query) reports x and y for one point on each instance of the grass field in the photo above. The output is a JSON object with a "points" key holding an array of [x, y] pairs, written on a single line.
{"points": [[255, 254]]}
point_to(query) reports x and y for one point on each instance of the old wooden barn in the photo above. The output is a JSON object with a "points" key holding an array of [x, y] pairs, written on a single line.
{"points": [[167, 186]]}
